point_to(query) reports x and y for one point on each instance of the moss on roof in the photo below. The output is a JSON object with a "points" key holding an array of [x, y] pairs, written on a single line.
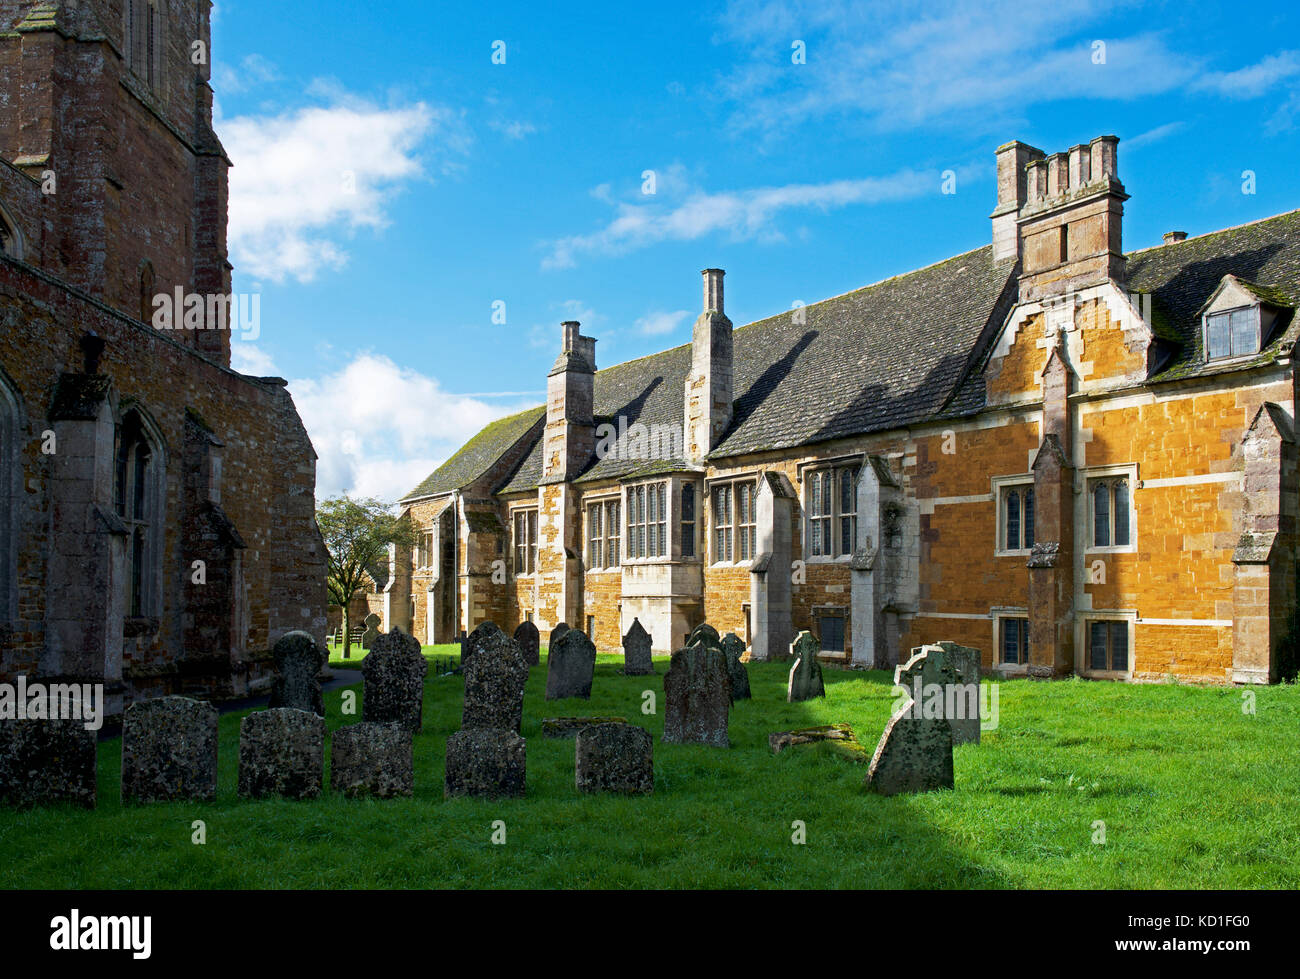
{"points": [[478, 454]]}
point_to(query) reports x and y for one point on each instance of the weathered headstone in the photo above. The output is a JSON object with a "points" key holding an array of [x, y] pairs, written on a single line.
{"points": [[706, 634], [839, 736], [614, 758], [733, 647], [945, 683], [570, 664], [806, 673], [697, 691], [485, 762], [637, 658], [915, 752], [568, 727], [298, 662], [495, 677], [46, 762], [372, 633], [530, 641], [169, 750], [281, 752], [556, 635], [394, 681], [372, 760]]}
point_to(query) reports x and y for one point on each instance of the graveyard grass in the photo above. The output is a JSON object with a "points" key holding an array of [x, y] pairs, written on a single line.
{"points": [[1192, 791]]}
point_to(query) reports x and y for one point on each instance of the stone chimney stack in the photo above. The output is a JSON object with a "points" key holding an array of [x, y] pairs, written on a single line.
{"points": [[1013, 191], [1174, 237], [1068, 227], [570, 438], [709, 385]]}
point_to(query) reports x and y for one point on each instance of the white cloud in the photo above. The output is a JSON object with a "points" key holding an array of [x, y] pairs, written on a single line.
{"points": [[743, 214], [252, 70], [1152, 135], [1253, 80], [659, 323], [306, 179], [379, 429], [248, 358], [513, 129]]}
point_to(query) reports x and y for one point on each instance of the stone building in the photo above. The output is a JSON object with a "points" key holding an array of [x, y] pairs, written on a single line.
{"points": [[1078, 460], [158, 529]]}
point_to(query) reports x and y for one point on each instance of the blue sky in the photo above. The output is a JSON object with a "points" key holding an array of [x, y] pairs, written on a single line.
{"points": [[392, 183]]}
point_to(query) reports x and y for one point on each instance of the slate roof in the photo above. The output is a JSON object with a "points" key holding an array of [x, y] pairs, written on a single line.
{"points": [[478, 454], [907, 349]]}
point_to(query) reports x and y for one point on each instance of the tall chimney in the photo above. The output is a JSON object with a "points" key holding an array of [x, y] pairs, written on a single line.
{"points": [[570, 437], [1013, 192], [709, 385]]}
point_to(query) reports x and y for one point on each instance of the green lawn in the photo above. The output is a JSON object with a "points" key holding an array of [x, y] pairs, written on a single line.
{"points": [[1192, 791]]}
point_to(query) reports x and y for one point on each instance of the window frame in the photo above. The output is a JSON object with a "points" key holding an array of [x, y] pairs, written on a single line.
{"points": [[834, 514], [637, 522], [1090, 478], [1083, 642], [1002, 488], [610, 509], [1258, 319], [740, 536], [1000, 614], [141, 485], [524, 555]]}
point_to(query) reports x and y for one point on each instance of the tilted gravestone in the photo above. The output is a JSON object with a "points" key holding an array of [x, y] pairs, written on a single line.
{"points": [[637, 658], [697, 689], [394, 681], [915, 752], [557, 634], [495, 677], [806, 674], [945, 682], [281, 752], [169, 750], [706, 634], [570, 664], [485, 762], [733, 647], [614, 758], [372, 633], [369, 759], [530, 642], [298, 662], [45, 762]]}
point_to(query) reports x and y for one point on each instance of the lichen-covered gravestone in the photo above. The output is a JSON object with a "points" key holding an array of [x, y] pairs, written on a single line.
{"points": [[706, 634], [915, 752], [495, 677], [485, 762], [372, 760], [614, 758], [372, 630], [169, 750], [570, 664], [637, 658], [46, 762], [733, 647], [946, 683], [281, 752], [394, 681], [530, 642], [697, 689], [806, 673], [298, 662]]}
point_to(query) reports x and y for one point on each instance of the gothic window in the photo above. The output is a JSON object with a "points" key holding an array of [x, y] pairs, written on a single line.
{"points": [[1111, 512], [8, 239], [1016, 518], [688, 520], [525, 541], [138, 500], [832, 504], [144, 40], [735, 521]]}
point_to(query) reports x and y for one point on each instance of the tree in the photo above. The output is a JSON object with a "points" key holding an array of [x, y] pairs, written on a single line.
{"points": [[357, 534]]}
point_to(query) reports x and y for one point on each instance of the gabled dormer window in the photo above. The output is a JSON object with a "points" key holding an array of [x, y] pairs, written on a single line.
{"points": [[1232, 333]]}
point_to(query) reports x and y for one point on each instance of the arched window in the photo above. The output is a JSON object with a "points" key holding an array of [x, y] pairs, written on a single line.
{"points": [[1017, 518], [9, 242], [138, 499], [10, 481], [144, 40], [1111, 513]]}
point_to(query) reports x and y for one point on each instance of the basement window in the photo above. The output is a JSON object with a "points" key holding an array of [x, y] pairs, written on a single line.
{"points": [[1108, 646], [1233, 333], [1014, 641]]}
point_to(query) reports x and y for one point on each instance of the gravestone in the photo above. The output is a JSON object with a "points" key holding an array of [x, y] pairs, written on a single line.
{"points": [[369, 759], [556, 635], [614, 758], [568, 727], [46, 762], [806, 674], [915, 752], [697, 689], [281, 752], [706, 634], [394, 681], [372, 630], [944, 679], [169, 750], [530, 641], [637, 659], [839, 736], [485, 762], [570, 664], [733, 647], [495, 677], [298, 662]]}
